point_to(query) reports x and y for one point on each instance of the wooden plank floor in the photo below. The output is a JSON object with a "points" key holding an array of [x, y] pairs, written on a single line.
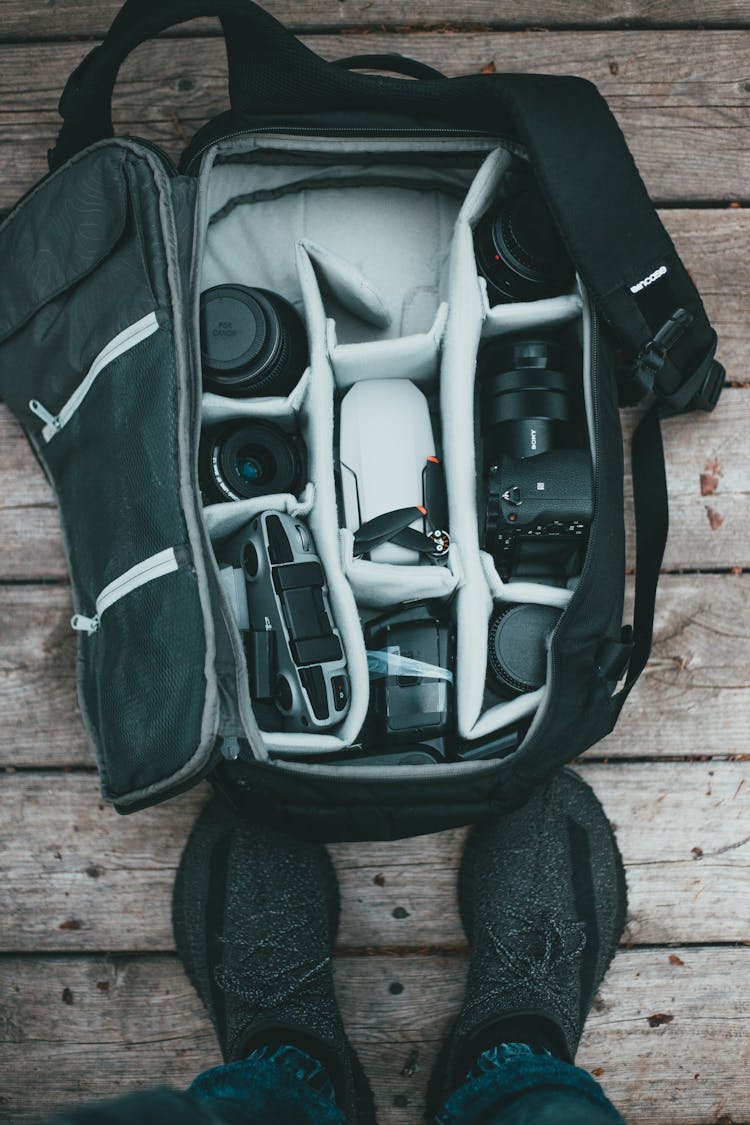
{"points": [[92, 998]]}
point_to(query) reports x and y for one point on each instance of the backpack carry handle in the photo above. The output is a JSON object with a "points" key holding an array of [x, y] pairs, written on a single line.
{"points": [[395, 64], [269, 68]]}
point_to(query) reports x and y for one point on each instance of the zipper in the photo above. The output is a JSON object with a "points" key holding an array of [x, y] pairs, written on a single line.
{"points": [[165, 562], [332, 131], [122, 343], [166, 160]]}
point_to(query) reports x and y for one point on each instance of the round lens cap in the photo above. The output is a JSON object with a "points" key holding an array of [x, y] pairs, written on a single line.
{"points": [[518, 645], [234, 329]]}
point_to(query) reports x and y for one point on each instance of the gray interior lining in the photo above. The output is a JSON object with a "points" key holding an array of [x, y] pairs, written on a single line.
{"points": [[396, 236], [388, 286]]}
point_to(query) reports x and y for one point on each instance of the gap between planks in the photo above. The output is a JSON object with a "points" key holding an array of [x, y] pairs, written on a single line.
{"points": [[36, 20], [118, 1024], [679, 96], [708, 473], [78, 877], [692, 700]]}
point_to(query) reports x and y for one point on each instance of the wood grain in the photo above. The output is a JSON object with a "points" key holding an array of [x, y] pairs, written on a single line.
{"points": [[692, 699], [680, 97], [706, 531], [38, 19], [75, 1029], [79, 878]]}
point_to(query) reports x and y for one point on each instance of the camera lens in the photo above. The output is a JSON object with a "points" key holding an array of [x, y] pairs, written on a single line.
{"points": [[530, 397], [518, 646], [241, 460], [252, 341], [519, 251]]}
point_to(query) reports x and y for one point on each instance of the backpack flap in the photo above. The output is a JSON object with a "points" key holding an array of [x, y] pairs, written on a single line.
{"points": [[93, 362]]}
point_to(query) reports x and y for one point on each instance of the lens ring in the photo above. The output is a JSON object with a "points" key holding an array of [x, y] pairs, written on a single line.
{"points": [[530, 395], [252, 341], [276, 453], [519, 250]]}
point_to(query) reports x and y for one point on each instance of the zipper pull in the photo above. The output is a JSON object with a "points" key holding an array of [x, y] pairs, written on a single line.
{"points": [[230, 748], [83, 624], [42, 412]]}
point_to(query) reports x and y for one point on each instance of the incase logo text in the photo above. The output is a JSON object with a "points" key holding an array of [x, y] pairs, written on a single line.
{"points": [[652, 277]]}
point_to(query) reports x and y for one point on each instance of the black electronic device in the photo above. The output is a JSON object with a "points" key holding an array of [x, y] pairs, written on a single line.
{"points": [[520, 252], [276, 585], [538, 514], [410, 655], [537, 462], [253, 342], [240, 460], [517, 646]]}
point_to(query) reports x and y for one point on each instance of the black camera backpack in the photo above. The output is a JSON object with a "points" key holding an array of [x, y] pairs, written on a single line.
{"points": [[104, 262]]}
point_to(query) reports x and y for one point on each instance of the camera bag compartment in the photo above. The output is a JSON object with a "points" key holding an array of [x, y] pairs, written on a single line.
{"points": [[242, 183], [91, 360], [239, 206]]}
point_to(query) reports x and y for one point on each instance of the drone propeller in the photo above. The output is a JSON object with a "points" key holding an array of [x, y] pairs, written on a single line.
{"points": [[395, 527]]}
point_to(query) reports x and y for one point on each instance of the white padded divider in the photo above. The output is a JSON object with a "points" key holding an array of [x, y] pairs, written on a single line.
{"points": [[522, 315], [222, 408], [482, 586], [347, 284], [222, 520], [384, 585], [403, 357], [316, 420], [535, 593], [460, 346]]}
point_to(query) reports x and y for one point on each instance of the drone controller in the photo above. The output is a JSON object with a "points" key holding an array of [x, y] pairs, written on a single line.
{"points": [[276, 585]]}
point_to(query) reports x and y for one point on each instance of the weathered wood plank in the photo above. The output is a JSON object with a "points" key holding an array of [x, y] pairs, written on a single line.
{"points": [[680, 96], [706, 531], [89, 18], [78, 878], [77, 1029], [693, 699]]}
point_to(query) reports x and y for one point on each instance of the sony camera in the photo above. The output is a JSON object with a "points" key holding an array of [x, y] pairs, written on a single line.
{"points": [[537, 463], [277, 588]]}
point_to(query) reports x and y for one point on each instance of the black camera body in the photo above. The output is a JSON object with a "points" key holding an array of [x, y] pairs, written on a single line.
{"points": [[540, 492], [539, 510]]}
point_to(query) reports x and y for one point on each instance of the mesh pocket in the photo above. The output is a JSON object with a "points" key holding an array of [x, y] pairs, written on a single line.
{"points": [[115, 468], [142, 682]]}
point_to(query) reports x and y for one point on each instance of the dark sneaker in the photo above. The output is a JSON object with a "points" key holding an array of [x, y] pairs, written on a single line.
{"points": [[543, 899], [255, 914]]}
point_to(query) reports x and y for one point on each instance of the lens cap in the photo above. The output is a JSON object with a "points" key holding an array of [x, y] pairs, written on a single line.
{"points": [[518, 645], [234, 329]]}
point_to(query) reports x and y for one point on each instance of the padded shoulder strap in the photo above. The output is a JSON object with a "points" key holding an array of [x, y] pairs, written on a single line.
{"points": [[617, 239]]}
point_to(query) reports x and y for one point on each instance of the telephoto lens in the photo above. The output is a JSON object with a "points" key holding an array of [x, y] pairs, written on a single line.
{"points": [[241, 460], [519, 251], [531, 397], [253, 342], [517, 648]]}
